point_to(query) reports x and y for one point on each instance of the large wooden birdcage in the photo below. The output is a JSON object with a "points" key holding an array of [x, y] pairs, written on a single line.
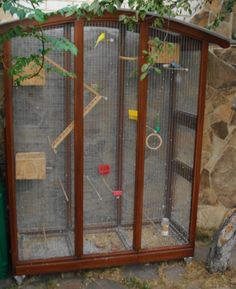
{"points": [[104, 169]]}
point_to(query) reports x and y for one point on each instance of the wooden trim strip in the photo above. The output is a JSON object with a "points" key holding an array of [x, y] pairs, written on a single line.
{"points": [[78, 136], [195, 32], [104, 255], [198, 142], [141, 139], [170, 24], [183, 170], [68, 82], [9, 146], [186, 119], [105, 261]]}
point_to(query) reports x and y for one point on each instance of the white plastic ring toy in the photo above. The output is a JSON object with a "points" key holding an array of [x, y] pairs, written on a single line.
{"points": [[154, 134]]}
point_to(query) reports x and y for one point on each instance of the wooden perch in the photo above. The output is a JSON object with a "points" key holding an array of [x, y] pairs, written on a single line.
{"points": [[94, 188], [87, 109], [58, 66], [128, 58], [70, 127], [63, 189]]}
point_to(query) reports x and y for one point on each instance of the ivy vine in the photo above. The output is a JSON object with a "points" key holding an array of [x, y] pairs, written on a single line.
{"points": [[31, 9]]}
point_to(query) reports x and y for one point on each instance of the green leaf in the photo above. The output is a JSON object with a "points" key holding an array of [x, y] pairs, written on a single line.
{"points": [[143, 75], [110, 8], [21, 14], [13, 10], [144, 67], [61, 43], [6, 6], [122, 17], [39, 16], [157, 70]]}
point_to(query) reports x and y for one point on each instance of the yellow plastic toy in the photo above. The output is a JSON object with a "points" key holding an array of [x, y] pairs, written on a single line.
{"points": [[133, 114]]}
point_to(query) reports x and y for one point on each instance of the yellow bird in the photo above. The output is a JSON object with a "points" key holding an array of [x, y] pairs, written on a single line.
{"points": [[100, 38]]}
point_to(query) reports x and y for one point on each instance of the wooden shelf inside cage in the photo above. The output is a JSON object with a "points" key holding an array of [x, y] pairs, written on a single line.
{"points": [[167, 55], [31, 69], [30, 166]]}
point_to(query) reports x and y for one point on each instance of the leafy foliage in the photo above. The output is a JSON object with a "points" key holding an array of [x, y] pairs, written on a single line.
{"points": [[227, 8], [31, 9], [151, 56]]}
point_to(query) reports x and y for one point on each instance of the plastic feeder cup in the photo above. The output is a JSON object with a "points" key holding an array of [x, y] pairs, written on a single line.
{"points": [[117, 194], [104, 169], [133, 114]]}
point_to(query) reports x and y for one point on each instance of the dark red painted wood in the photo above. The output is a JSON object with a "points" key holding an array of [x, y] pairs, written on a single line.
{"points": [[141, 137], [199, 138], [10, 156], [79, 136], [104, 261], [170, 24]]}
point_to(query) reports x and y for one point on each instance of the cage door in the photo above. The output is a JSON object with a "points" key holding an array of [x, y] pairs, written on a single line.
{"points": [[109, 136], [44, 175]]}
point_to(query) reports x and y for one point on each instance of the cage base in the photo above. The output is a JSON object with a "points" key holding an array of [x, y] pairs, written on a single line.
{"points": [[47, 245]]}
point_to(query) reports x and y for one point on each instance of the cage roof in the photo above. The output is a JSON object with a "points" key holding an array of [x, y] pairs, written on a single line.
{"points": [[171, 24]]}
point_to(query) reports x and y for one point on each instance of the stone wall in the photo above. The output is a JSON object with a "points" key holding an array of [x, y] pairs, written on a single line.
{"points": [[218, 175]]}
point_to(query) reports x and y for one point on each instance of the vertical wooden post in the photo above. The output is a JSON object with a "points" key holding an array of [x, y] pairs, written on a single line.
{"points": [[9, 147], [68, 81], [79, 136], [141, 136], [198, 142], [121, 96]]}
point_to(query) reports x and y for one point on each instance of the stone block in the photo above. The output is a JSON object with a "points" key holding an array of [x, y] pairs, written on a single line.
{"points": [[221, 75], [224, 178], [143, 272], [200, 253], [224, 112], [201, 18], [232, 141], [174, 273], [214, 6], [70, 283], [225, 27], [228, 55], [210, 217], [104, 284], [35, 286], [220, 129]]}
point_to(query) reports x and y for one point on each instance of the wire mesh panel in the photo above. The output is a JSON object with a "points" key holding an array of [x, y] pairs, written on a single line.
{"points": [[110, 136], [185, 125], [130, 123], [43, 110], [169, 96], [44, 173], [187, 80]]}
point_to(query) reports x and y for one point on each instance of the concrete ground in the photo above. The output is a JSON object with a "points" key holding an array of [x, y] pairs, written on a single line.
{"points": [[162, 275]]}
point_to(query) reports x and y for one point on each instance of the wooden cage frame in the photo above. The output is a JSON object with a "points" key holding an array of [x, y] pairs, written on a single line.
{"points": [[137, 255]]}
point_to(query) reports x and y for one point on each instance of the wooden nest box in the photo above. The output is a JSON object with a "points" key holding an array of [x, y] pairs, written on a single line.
{"points": [[31, 69], [167, 55], [30, 166]]}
